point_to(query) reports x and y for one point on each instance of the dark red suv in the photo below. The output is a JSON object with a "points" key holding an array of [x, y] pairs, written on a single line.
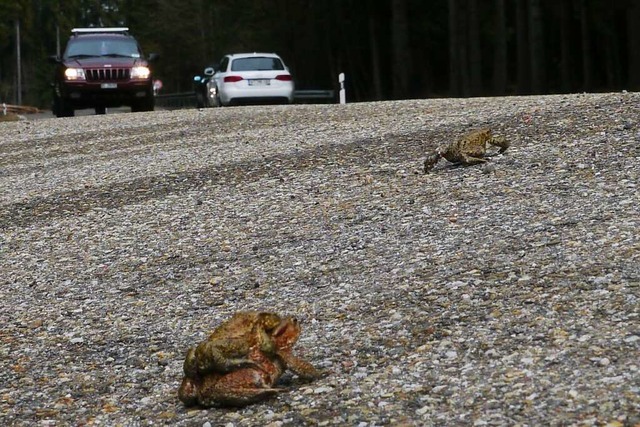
{"points": [[102, 68]]}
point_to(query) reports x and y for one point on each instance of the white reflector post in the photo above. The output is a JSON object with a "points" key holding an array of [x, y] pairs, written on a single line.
{"points": [[343, 94]]}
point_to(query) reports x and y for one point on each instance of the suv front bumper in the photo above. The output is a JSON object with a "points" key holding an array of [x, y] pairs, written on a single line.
{"points": [[105, 94]]}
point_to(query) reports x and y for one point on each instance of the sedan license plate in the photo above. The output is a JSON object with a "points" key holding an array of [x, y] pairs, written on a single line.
{"points": [[259, 82], [109, 85]]}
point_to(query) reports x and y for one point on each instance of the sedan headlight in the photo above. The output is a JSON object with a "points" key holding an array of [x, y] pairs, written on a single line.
{"points": [[74, 74], [140, 73]]}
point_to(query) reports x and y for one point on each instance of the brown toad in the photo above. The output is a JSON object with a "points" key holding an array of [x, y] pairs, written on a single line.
{"points": [[227, 348], [471, 149], [248, 385]]}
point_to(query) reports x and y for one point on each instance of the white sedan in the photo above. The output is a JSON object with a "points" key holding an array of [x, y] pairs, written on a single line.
{"points": [[251, 78]]}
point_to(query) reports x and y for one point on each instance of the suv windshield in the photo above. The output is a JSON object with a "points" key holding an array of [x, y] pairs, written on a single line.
{"points": [[256, 64], [88, 48]]}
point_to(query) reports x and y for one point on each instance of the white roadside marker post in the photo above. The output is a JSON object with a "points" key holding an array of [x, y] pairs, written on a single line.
{"points": [[343, 95]]}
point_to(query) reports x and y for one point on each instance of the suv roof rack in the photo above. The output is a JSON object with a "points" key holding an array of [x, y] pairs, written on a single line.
{"points": [[99, 30]]}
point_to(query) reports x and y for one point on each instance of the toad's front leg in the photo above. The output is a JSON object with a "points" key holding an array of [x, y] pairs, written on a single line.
{"points": [[501, 142], [299, 366], [431, 161]]}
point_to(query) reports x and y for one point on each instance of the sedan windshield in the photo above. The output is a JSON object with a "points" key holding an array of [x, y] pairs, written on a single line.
{"points": [[257, 63]]}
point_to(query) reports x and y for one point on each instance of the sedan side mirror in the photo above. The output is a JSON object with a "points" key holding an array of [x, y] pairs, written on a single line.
{"points": [[54, 59], [153, 57]]}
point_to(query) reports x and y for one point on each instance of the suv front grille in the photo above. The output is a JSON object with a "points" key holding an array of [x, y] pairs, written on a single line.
{"points": [[107, 74]]}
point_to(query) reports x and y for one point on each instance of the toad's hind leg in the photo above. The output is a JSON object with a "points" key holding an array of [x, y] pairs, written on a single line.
{"points": [[237, 397], [188, 392], [207, 357], [239, 388], [470, 160]]}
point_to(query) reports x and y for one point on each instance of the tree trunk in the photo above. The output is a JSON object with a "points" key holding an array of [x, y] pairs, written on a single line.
{"points": [[375, 59], [565, 47], [633, 49], [500, 49], [454, 54], [463, 47], [202, 24], [475, 52], [536, 49], [522, 36], [400, 47], [612, 53], [587, 80]]}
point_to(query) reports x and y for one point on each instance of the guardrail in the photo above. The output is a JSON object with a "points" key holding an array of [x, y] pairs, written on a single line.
{"points": [[175, 101], [17, 109], [313, 96]]}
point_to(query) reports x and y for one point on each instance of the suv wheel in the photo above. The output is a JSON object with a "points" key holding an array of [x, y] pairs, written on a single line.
{"points": [[61, 109], [147, 104]]}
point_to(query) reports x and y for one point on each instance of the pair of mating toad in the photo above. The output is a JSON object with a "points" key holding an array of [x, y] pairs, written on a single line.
{"points": [[241, 361]]}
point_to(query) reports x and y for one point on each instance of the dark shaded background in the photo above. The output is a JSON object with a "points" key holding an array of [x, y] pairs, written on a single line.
{"points": [[388, 49]]}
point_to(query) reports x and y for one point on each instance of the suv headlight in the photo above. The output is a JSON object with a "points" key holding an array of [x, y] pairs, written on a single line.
{"points": [[140, 73], [74, 74]]}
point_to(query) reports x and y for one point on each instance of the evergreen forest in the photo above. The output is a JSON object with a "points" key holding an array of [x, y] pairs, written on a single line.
{"points": [[388, 49]]}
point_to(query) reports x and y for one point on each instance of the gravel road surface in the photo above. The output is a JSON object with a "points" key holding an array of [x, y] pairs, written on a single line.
{"points": [[473, 296]]}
